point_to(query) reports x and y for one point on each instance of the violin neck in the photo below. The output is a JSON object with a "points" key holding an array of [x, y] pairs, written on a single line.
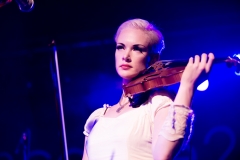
{"points": [[230, 61], [184, 61], [220, 60]]}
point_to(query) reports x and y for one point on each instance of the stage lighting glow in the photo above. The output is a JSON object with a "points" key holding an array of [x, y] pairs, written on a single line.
{"points": [[237, 55], [203, 86], [238, 74]]}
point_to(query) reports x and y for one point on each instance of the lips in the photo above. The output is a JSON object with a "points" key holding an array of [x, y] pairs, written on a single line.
{"points": [[125, 66]]}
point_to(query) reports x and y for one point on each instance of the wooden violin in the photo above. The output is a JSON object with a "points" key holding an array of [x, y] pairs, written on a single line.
{"points": [[165, 73]]}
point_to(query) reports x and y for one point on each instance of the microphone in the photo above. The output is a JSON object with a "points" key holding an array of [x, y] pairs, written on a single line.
{"points": [[25, 5]]}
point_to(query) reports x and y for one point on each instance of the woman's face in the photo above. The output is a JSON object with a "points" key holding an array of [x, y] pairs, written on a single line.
{"points": [[131, 53]]}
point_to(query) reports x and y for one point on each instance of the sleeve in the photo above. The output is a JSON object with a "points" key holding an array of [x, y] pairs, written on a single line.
{"points": [[92, 120], [177, 120]]}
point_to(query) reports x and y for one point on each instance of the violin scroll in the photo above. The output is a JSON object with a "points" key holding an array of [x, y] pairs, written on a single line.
{"points": [[235, 61]]}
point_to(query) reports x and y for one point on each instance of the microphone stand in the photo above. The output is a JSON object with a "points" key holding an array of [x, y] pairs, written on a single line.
{"points": [[57, 85]]}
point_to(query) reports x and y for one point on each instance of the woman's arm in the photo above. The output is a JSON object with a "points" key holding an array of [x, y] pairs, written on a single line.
{"points": [[164, 149], [85, 156]]}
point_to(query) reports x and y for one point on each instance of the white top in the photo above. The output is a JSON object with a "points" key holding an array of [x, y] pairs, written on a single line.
{"points": [[126, 137]]}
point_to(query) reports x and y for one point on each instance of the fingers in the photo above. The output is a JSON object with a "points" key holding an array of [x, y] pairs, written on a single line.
{"points": [[196, 59], [209, 63], [190, 60], [205, 62], [195, 67]]}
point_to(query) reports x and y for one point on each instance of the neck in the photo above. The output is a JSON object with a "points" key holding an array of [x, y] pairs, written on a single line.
{"points": [[125, 81]]}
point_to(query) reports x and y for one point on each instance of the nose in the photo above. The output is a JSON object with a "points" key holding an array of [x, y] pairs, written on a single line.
{"points": [[126, 56]]}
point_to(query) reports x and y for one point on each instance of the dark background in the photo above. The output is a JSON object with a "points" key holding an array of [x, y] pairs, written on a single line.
{"points": [[84, 31]]}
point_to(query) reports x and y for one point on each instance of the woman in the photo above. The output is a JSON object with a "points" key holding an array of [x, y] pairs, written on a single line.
{"points": [[155, 127]]}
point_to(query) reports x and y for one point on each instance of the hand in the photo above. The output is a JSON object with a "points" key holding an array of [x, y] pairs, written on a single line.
{"points": [[196, 66]]}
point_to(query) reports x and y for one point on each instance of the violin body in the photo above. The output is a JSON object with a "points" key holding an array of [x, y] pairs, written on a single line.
{"points": [[160, 78]]}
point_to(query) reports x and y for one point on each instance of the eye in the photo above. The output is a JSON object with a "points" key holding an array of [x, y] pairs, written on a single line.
{"points": [[118, 47], [137, 48]]}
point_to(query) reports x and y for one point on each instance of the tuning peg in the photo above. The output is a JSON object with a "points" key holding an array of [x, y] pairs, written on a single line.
{"points": [[237, 58]]}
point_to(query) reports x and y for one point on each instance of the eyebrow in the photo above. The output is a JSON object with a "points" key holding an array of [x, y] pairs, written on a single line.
{"points": [[135, 45], [120, 43]]}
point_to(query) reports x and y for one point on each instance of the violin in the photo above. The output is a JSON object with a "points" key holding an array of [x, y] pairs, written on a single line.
{"points": [[165, 73]]}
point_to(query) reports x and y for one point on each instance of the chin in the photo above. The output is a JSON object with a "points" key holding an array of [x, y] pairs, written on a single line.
{"points": [[127, 76]]}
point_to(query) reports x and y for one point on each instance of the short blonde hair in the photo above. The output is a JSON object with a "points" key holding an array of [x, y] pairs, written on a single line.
{"points": [[156, 38]]}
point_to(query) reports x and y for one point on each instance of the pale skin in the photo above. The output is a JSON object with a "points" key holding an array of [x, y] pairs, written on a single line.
{"points": [[131, 57]]}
